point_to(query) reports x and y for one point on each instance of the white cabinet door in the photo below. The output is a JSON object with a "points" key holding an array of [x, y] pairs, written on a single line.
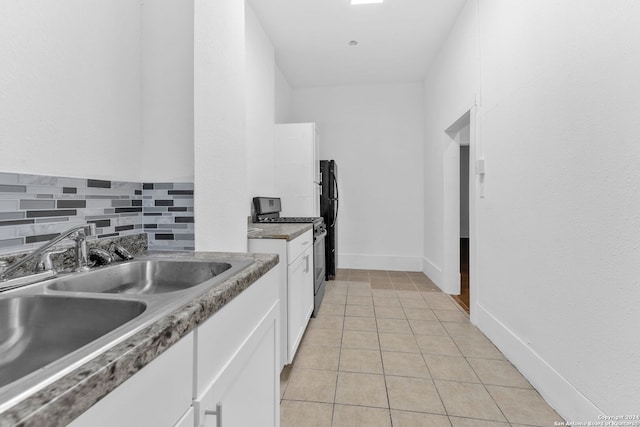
{"points": [[247, 391], [277, 246], [300, 298], [307, 288]]}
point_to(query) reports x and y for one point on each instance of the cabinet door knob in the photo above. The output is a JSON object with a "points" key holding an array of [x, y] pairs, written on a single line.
{"points": [[217, 413]]}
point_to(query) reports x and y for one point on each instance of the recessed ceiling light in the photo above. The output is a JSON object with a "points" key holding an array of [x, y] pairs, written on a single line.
{"points": [[353, 43], [356, 2]]}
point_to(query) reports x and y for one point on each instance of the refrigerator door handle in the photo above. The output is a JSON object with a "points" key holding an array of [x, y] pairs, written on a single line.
{"points": [[335, 184]]}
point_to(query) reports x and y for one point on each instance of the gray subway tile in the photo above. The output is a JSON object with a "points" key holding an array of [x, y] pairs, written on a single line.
{"points": [[46, 213], [98, 217], [16, 222], [72, 204], [37, 204], [31, 189], [8, 178], [56, 219], [98, 203], [40, 238], [50, 181], [9, 205], [154, 209], [11, 215], [98, 196], [69, 190], [163, 186], [98, 183], [44, 196], [173, 226], [11, 242], [183, 185], [120, 203], [13, 188], [100, 236], [183, 202], [185, 237]]}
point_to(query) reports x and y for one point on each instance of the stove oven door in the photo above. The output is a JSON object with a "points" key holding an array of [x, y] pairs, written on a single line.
{"points": [[319, 269]]}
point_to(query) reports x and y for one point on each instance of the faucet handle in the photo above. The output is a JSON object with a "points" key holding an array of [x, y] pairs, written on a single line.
{"points": [[45, 263], [122, 252], [99, 256]]}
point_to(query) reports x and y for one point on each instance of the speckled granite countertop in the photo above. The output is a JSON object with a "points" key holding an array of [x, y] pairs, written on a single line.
{"points": [[277, 231], [65, 399]]}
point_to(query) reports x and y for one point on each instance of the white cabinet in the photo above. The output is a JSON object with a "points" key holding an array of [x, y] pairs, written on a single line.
{"points": [[231, 359], [300, 304], [295, 278], [237, 369], [158, 395], [297, 168]]}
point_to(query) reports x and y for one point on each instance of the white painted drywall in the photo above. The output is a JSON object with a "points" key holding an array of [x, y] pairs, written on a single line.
{"points": [[450, 89], [70, 97], [375, 134], [558, 229], [560, 131], [167, 91], [219, 126], [283, 95], [260, 106]]}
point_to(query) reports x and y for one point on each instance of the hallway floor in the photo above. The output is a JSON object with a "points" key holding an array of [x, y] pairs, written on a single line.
{"points": [[389, 349]]}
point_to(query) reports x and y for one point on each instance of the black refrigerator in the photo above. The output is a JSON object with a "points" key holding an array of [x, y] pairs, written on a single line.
{"points": [[329, 211]]}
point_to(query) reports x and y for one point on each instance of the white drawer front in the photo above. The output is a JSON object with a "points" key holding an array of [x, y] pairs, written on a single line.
{"points": [[298, 245]]}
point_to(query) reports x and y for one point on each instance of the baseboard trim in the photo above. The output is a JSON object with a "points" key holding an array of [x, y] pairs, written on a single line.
{"points": [[552, 386], [379, 262], [432, 271]]}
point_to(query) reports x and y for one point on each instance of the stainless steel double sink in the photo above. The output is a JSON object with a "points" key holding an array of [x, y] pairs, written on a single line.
{"points": [[50, 328]]}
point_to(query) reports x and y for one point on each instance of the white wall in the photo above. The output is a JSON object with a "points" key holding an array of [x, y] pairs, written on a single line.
{"points": [[558, 230], [450, 91], [219, 126], [70, 97], [260, 106], [375, 135], [167, 91], [283, 94]]}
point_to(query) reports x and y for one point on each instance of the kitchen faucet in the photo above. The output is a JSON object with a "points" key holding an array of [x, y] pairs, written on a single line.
{"points": [[78, 234]]}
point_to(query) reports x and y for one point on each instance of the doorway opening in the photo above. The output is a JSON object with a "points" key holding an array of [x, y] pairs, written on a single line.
{"points": [[464, 297], [458, 225]]}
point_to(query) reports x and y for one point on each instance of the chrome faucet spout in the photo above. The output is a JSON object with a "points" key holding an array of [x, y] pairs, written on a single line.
{"points": [[79, 234]]}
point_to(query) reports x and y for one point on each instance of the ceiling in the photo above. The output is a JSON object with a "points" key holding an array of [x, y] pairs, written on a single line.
{"points": [[397, 40]]}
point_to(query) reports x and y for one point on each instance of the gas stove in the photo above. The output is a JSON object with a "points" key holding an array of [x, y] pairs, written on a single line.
{"points": [[267, 210]]}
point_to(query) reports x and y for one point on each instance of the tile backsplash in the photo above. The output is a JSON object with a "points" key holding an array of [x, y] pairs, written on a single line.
{"points": [[168, 215], [36, 208]]}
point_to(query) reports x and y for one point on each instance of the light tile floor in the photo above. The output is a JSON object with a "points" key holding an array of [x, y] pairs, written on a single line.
{"points": [[389, 349]]}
